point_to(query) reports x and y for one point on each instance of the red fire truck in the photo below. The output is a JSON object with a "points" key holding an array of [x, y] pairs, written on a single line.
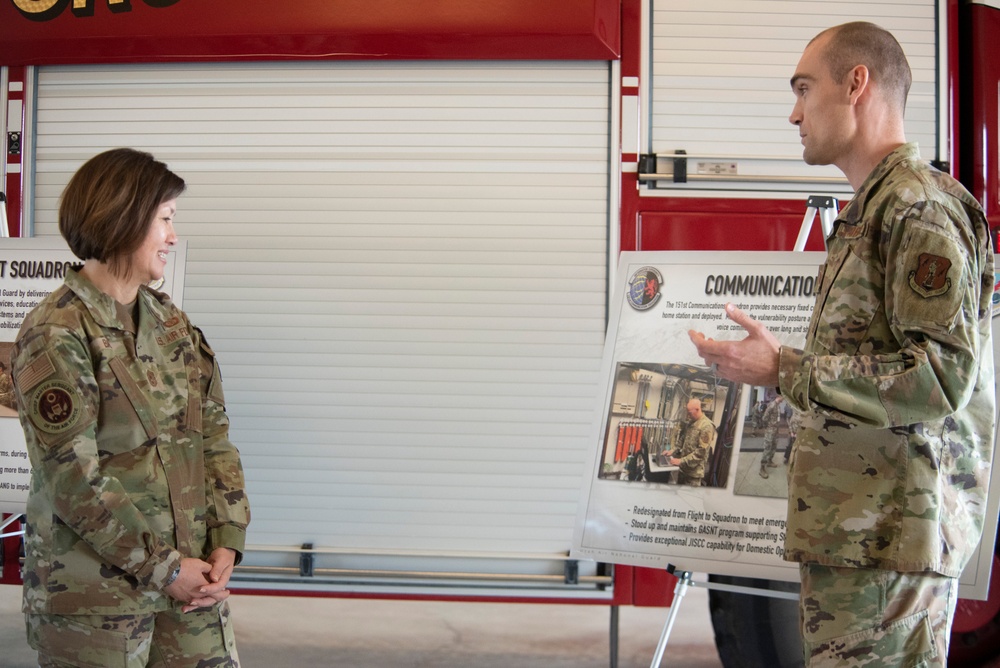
{"points": [[479, 168]]}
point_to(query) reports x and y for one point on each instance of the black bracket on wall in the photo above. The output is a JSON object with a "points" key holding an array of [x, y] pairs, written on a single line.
{"points": [[647, 167], [13, 143], [680, 167], [307, 561], [571, 572]]}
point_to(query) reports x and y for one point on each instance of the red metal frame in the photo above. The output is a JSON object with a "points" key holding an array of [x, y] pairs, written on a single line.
{"points": [[186, 30], [983, 83], [550, 600], [106, 31], [10, 572], [12, 188]]}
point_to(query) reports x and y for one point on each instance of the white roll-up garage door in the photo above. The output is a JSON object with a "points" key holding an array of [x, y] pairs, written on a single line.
{"points": [[403, 270], [720, 85]]}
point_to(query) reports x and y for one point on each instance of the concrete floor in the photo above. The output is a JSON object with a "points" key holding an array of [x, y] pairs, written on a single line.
{"points": [[274, 632], [748, 481]]}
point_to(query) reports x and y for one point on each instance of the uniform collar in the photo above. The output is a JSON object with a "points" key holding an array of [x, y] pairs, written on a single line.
{"points": [[851, 215], [104, 309]]}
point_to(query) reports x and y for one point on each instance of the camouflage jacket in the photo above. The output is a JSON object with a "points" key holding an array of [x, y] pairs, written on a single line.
{"points": [[132, 467], [772, 416], [695, 448], [794, 422], [892, 460]]}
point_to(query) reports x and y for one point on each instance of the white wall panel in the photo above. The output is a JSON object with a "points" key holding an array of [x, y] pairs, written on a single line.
{"points": [[721, 70]]}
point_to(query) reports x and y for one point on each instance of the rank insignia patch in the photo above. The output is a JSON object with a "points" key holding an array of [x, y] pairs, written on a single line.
{"points": [[55, 407], [930, 278]]}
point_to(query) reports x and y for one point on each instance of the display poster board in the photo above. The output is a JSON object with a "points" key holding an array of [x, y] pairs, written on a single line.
{"points": [[30, 269], [634, 509]]}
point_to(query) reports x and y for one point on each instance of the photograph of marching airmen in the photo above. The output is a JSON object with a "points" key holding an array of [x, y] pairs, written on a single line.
{"points": [[7, 407], [769, 427], [669, 424]]}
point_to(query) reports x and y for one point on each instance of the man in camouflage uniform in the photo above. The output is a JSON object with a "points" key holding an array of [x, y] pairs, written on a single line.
{"points": [[772, 419], [888, 474], [794, 422], [692, 456], [136, 511]]}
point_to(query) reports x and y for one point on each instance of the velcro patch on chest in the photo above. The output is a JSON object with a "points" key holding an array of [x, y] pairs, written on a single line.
{"points": [[930, 277], [176, 330], [847, 230], [55, 407]]}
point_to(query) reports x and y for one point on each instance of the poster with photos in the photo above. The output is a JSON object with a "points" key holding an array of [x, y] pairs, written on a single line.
{"points": [[686, 469]]}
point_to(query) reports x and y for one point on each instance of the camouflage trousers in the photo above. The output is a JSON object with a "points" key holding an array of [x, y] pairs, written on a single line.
{"points": [[200, 639], [688, 479], [770, 445], [864, 617]]}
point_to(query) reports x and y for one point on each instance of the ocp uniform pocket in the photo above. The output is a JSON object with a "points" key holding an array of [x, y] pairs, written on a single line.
{"points": [[904, 643], [81, 641]]}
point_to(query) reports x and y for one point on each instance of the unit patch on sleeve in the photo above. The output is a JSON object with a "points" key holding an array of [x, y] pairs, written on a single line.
{"points": [[930, 278], [55, 407]]}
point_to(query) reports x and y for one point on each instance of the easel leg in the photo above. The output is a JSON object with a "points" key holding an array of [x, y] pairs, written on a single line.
{"points": [[613, 637], [683, 582], [7, 522]]}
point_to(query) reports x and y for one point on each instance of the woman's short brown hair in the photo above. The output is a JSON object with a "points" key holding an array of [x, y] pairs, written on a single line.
{"points": [[108, 205]]}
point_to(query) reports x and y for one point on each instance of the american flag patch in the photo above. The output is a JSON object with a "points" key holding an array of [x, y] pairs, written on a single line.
{"points": [[34, 373]]}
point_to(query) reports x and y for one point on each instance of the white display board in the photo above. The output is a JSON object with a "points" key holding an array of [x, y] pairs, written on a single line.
{"points": [[29, 270], [734, 523]]}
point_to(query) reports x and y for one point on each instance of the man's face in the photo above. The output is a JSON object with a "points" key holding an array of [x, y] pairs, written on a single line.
{"points": [[822, 108], [693, 410]]}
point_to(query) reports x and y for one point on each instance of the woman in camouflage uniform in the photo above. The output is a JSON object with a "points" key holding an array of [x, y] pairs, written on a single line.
{"points": [[136, 513]]}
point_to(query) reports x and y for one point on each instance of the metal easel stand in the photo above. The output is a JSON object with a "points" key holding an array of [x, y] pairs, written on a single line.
{"points": [[826, 207], [6, 523], [683, 582]]}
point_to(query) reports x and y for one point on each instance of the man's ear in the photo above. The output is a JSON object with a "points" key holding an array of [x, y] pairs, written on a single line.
{"points": [[857, 80]]}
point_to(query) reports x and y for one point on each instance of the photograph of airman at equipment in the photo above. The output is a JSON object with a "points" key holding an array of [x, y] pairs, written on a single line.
{"points": [[670, 424]]}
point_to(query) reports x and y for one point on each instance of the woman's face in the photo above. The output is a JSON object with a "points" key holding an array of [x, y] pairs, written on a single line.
{"points": [[150, 259]]}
